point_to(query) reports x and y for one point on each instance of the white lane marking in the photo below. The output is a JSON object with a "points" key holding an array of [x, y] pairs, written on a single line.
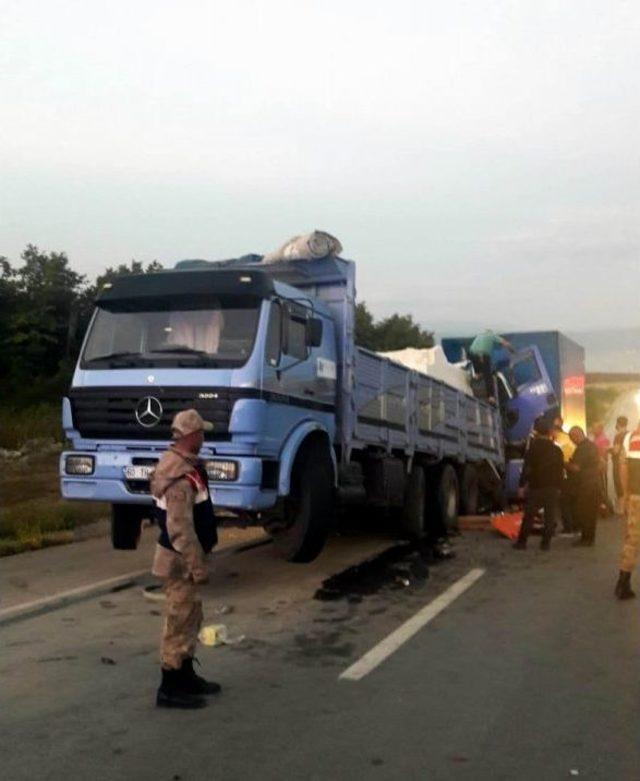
{"points": [[73, 593], [406, 631]]}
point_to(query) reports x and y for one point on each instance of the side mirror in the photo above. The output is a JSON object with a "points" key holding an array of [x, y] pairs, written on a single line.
{"points": [[314, 332]]}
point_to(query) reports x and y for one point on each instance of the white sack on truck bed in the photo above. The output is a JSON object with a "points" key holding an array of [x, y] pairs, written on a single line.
{"points": [[308, 246], [433, 362]]}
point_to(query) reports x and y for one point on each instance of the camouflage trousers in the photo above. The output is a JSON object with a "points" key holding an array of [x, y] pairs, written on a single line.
{"points": [[183, 619], [631, 547]]}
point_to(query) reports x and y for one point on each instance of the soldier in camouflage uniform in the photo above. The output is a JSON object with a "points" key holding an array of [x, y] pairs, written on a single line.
{"points": [[630, 479], [187, 525]]}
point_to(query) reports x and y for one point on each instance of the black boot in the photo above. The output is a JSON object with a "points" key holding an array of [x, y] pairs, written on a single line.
{"points": [[520, 543], [173, 693], [196, 684], [623, 586], [545, 544]]}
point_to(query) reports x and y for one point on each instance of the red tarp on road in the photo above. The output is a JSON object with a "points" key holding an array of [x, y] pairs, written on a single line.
{"points": [[508, 524]]}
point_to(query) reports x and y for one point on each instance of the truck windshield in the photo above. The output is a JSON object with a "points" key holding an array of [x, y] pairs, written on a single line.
{"points": [[525, 372], [220, 334]]}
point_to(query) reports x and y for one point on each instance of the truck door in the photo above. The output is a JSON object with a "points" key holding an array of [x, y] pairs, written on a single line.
{"points": [[300, 367], [532, 393]]}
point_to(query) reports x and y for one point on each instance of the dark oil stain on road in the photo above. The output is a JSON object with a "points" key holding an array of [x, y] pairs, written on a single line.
{"points": [[397, 567], [314, 645]]}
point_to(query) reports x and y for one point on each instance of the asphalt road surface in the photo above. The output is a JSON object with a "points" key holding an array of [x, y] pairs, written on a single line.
{"points": [[528, 670]]}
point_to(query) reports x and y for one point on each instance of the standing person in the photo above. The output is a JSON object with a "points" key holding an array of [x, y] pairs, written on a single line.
{"points": [[187, 524], [480, 352], [584, 469], [563, 441], [630, 465], [542, 473], [622, 424]]}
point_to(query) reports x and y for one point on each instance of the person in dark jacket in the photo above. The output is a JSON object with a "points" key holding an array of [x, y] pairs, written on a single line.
{"points": [[584, 470], [542, 474]]}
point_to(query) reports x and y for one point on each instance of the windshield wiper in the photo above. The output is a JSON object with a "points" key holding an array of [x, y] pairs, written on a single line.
{"points": [[112, 356], [180, 350]]}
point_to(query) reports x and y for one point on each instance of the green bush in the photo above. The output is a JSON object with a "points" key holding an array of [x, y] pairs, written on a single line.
{"points": [[40, 516], [35, 422]]}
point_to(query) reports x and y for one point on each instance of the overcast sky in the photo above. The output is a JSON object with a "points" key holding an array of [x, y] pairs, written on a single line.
{"points": [[479, 160]]}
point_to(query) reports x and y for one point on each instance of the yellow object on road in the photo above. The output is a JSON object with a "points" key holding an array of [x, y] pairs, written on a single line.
{"points": [[217, 634]]}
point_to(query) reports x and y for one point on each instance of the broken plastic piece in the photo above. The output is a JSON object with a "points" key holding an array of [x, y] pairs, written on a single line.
{"points": [[217, 634], [154, 593]]}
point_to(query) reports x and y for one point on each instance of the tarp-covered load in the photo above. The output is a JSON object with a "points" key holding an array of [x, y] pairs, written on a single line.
{"points": [[433, 362], [308, 246]]}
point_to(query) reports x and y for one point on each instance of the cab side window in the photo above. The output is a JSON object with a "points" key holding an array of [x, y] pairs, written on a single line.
{"points": [[296, 341], [274, 334]]}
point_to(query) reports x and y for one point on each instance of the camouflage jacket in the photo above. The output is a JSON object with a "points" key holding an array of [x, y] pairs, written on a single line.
{"points": [[171, 486]]}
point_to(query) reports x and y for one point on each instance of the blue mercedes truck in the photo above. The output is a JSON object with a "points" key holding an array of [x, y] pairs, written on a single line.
{"points": [[305, 421]]}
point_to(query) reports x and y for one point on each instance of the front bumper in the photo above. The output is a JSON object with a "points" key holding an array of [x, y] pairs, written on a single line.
{"points": [[108, 484]]}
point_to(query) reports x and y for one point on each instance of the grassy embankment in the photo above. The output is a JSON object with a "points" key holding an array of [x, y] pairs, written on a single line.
{"points": [[32, 514]]}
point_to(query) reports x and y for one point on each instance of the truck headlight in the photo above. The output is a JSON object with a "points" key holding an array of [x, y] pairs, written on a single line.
{"points": [[79, 465], [222, 471]]}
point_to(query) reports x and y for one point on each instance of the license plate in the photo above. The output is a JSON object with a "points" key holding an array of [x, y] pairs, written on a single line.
{"points": [[138, 472]]}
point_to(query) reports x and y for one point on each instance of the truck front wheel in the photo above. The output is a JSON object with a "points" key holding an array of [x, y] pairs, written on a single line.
{"points": [[126, 524], [308, 510]]}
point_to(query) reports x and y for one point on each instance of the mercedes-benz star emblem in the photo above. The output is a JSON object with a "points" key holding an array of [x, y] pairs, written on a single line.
{"points": [[149, 412]]}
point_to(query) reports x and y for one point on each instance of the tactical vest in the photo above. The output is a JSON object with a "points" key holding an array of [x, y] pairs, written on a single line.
{"points": [[204, 519], [632, 449]]}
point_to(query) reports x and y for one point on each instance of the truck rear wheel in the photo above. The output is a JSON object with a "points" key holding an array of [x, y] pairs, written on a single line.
{"points": [[415, 503], [126, 525], [308, 510], [469, 490], [447, 498]]}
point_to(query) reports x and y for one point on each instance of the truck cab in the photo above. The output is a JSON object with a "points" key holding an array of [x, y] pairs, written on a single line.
{"points": [[244, 349]]}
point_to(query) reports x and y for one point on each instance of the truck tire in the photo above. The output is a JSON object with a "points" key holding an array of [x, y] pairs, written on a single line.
{"points": [[415, 503], [469, 490], [448, 498], [309, 509], [126, 525]]}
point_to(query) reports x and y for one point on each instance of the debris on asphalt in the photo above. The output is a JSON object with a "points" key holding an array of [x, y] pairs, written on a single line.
{"points": [[442, 550], [474, 522], [218, 634], [399, 566], [154, 593], [107, 660], [507, 524], [223, 610]]}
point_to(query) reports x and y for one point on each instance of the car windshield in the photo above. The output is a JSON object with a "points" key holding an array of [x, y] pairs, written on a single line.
{"points": [[221, 334]]}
